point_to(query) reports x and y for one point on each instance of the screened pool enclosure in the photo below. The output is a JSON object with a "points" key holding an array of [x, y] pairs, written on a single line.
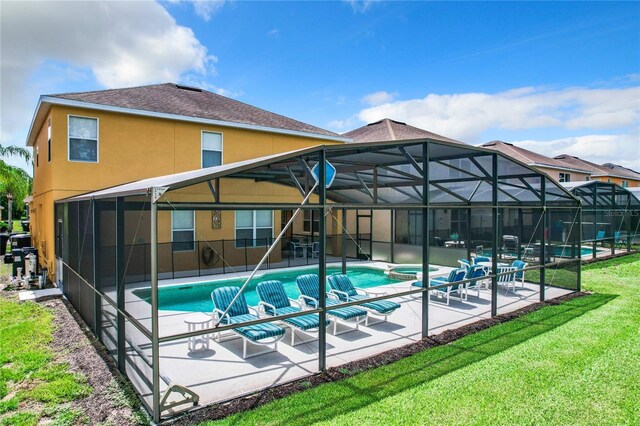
{"points": [[610, 216], [159, 268]]}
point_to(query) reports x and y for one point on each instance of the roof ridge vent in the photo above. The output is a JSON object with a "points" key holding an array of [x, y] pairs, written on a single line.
{"points": [[190, 88]]}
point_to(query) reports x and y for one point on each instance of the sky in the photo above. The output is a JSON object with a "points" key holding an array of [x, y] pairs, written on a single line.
{"points": [[556, 78]]}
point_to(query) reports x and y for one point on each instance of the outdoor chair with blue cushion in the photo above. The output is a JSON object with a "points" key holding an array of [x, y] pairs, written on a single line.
{"points": [[454, 276], [342, 287], [520, 265], [618, 239], [464, 263], [309, 295], [274, 301], [507, 277], [259, 334], [479, 259], [600, 237], [478, 274]]}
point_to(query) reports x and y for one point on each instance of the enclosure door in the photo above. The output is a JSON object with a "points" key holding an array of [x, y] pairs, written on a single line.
{"points": [[364, 230]]}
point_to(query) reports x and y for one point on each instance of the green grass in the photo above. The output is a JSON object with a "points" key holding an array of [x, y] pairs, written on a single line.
{"points": [[31, 380], [576, 363]]}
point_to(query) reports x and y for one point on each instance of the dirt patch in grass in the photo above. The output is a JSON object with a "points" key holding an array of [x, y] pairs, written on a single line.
{"points": [[219, 411], [112, 400]]}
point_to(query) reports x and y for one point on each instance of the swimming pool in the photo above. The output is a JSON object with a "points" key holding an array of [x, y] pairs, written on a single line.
{"points": [[197, 297]]}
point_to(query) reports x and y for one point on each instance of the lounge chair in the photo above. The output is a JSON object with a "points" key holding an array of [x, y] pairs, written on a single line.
{"points": [[454, 276], [476, 273], [310, 294], [264, 334], [507, 277], [479, 259], [520, 273], [464, 263], [274, 301], [342, 287]]}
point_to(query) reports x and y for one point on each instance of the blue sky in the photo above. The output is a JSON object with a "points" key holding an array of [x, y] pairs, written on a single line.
{"points": [[552, 77]]}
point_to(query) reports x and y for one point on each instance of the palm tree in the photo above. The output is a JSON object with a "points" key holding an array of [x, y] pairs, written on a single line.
{"points": [[14, 181]]}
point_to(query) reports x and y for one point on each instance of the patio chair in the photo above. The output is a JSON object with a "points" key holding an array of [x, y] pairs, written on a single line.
{"points": [[315, 250], [508, 277], [342, 287], [309, 295], [274, 301], [479, 259], [618, 239], [520, 265], [600, 237], [478, 274], [264, 334], [464, 263], [454, 276], [295, 246]]}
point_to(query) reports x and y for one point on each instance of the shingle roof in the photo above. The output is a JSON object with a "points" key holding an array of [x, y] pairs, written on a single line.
{"points": [[532, 158], [621, 171], [170, 98], [391, 130]]}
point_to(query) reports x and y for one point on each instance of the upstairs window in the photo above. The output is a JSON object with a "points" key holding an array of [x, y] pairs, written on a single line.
{"points": [[83, 139], [211, 149], [565, 177], [625, 183], [49, 141], [307, 222]]}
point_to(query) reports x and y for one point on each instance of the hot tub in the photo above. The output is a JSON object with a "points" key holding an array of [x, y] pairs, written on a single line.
{"points": [[406, 272]]}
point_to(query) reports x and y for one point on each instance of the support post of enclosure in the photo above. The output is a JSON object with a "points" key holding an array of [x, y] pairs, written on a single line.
{"points": [[543, 241], [344, 241], [97, 303], [425, 240], [392, 248], [322, 262], [155, 346], [613, 209], [120, 276], [494, 234], [579, 254]]}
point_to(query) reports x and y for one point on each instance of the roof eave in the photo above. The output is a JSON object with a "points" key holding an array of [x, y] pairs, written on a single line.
{"points": [[52, 100]]}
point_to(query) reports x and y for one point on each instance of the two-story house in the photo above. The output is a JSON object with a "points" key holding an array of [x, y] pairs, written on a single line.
{"points": [[606, 172], [92, 140]]}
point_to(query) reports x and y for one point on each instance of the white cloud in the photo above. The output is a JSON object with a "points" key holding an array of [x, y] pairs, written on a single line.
{"points": [[207, 8], [120, 43], [274, 33], [465, 116], [360, 6], [378, 98], [618, 149]]}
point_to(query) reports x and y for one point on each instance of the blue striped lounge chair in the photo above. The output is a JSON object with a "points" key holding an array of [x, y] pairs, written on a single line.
{"points": [[507, 277], [477, 274], [264, 334], [274, 301], [464, 263], [309, 294], [342, 287], [479, 259], [520, 265], [454, 276]]}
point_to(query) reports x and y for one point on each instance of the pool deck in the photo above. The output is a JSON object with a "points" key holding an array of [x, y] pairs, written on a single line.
{"points": [[220, 373]]}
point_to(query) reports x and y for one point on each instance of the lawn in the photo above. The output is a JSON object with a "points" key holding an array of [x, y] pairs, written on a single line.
{"points": [[33, 385], [573, 363]]}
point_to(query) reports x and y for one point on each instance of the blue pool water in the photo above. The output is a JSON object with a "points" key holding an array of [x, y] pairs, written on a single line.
{"points": [[197, 297]]}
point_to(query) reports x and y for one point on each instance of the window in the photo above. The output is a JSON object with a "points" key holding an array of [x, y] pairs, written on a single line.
{"points": [[254, 228], [565, 177], [83, 139], [49, 140], [609, 180], [183, 232], [625, 183], [307, 215], [37, 156], [211, 149], [588, 178]]}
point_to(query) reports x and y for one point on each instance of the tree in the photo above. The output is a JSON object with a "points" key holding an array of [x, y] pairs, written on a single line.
{"points": [[14, 182]]}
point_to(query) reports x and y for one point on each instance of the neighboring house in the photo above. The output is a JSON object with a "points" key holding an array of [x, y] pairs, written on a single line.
{"points": [[391, 130], [92, 140], [606, 172], [556, 168]]}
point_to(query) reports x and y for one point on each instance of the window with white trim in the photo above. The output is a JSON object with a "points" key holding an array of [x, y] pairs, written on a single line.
{"points": [[49, 140], [306, 225], [211, 149], [625, 183], [564, 177], [183, 233], [254, 228], [83, 139]]}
